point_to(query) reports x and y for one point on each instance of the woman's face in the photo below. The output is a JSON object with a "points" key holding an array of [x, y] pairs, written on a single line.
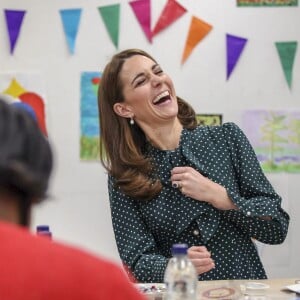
{"points": [[149, 94]]}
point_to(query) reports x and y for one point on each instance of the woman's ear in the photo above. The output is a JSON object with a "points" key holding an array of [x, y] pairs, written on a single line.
{"points": [[123, 110]]}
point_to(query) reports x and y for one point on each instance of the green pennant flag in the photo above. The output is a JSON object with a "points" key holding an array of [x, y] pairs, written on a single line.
{"points": [[111, 18], [287, 51]]}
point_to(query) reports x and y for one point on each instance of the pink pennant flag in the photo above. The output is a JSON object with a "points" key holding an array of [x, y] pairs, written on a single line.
{"points": [[142, 11], [171, 12], [14, 19], [234, 46]]}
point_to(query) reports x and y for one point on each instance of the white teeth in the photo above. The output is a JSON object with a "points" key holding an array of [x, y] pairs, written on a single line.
{"points": [[163, 94]]}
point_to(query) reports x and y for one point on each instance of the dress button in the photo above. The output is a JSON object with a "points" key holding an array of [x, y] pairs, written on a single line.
{"points": [[248, 213], [196, 232]]}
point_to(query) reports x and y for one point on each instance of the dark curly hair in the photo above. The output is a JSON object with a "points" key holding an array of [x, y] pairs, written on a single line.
{"points": [[25, 156]]}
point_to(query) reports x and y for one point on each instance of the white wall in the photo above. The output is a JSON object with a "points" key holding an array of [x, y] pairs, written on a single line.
{"points": [[78, 211]]}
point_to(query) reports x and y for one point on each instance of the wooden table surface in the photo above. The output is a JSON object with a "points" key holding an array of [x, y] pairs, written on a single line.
{"points": [[235, 290]]}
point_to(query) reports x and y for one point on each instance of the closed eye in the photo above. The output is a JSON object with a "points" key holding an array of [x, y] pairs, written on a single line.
{"points": [[140, 82], [157, 70]]}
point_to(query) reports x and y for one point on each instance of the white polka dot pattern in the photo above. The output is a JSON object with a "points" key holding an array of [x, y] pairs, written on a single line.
{"points": [[145, 232]]}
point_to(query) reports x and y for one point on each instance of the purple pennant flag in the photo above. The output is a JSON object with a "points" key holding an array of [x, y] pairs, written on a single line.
{"points": [[235, 46], [14, 19]]}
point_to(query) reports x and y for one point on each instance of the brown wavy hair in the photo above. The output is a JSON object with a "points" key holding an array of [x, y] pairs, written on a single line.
{"points": [[121, 144]]}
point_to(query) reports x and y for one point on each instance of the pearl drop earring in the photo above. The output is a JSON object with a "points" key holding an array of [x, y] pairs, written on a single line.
{"points": [[131, 121]]}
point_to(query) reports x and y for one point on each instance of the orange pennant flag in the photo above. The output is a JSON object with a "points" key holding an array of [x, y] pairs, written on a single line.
{"points": [[198, 30]]}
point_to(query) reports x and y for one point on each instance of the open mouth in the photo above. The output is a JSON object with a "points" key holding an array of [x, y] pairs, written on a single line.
{"points": [[162, 98]]}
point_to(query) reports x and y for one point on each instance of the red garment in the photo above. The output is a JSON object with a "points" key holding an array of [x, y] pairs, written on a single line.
{"points": [[35, 268]]}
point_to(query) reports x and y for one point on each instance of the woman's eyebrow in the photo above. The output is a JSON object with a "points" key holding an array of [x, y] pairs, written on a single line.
{"points": [[137, 76], [155, 66], [142, 73]]}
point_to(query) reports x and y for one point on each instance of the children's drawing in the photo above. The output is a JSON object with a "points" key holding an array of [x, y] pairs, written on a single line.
{"points": [[275, 137], [209, 119], [26, 90], [89, 116]]}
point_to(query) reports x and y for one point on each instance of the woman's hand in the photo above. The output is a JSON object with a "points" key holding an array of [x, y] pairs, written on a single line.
{"points": [[193, 184], [201, 259]]}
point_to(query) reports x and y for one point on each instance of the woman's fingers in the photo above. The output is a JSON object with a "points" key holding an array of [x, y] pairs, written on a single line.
{"points": [[195, 250], [203, 265], [201, 259]]}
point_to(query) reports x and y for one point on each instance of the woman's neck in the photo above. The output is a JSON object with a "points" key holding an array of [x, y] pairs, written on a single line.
{"points": [[165, 137]]}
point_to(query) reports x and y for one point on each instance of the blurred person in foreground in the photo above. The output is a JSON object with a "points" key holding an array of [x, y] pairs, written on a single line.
{"points": [[172, 181], [34, 267]]}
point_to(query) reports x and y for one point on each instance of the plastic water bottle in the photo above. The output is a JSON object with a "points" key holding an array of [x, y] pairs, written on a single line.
{"points": [[181, 278], [44, 230]]}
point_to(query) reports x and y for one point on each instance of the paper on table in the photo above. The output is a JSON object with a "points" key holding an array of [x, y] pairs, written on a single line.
{"points": [[294, 288]]}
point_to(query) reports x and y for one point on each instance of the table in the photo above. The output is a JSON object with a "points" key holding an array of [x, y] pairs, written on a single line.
{"points": [[235, 290]]}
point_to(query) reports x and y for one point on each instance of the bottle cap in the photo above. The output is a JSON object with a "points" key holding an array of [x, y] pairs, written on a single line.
{"points": [[43, 230], [40, 228], [179, 249]]}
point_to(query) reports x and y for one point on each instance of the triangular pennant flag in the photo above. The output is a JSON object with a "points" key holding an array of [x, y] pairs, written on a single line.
{"points": [[287, 51], [234, 47], [142, 11], [197, 31], [111, 18], [70, 19], [171, 12], [14, 19]]}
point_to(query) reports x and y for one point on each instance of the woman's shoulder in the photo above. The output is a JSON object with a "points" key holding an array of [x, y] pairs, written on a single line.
{"points": [[227, 128], [228, 132]]}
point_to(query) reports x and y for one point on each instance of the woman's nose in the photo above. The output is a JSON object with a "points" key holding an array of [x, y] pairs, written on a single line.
{"points": [[156, 80]]}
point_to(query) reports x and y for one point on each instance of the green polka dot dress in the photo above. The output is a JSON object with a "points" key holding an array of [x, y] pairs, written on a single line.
{"points": [[145, 232]]}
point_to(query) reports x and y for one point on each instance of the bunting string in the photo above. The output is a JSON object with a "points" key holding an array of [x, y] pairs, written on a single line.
{"points": [[171, 12]]}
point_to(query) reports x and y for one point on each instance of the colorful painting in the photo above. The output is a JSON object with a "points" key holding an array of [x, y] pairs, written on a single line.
{"points": [[25, 90], [89, 116], [209, 119], [267, 2], [275, 137]]}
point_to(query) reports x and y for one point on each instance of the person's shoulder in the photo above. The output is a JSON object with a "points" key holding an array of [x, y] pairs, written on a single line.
{"points": [[230, 126], [39, 247], [226, 129], [61, 266], [216, 129]]}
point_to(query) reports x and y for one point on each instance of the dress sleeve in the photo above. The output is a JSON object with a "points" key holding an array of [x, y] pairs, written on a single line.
{"points": [[256, 197], [136, 245]]}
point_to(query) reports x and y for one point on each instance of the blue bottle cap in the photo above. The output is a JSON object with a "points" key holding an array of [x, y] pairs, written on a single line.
{"points": [[40, 228], [179, 249], [43, 230]]}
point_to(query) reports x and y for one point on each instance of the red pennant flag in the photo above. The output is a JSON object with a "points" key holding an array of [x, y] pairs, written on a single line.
{"points": [[142, 11], [171, 12], [198, 30], [14, 19]]}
